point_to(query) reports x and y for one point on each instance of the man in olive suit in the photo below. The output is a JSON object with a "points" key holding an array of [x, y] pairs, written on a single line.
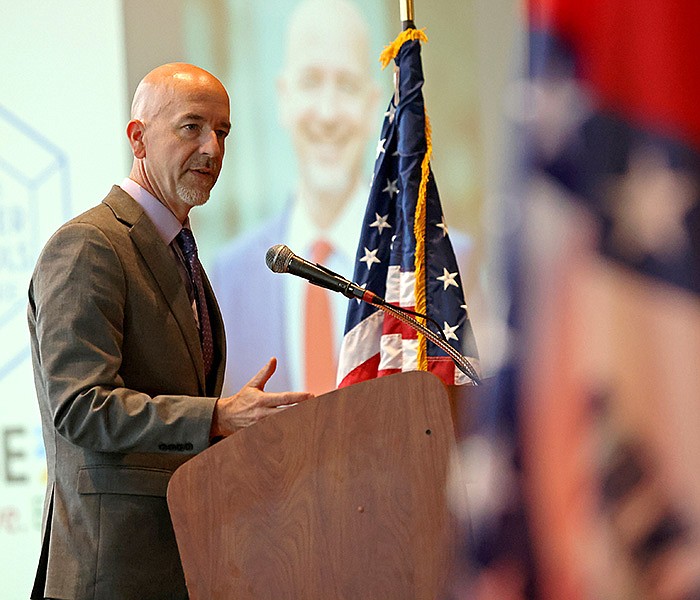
{"points": [[128, 352]]}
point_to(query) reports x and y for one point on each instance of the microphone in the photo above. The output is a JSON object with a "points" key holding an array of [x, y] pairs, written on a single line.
{"points": [[280, 259]]}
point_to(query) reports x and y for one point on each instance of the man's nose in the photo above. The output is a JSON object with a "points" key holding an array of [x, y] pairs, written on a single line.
{"points": [[211, 144], [328, 103]]}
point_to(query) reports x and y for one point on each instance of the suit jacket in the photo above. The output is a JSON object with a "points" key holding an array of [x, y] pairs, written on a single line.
{"points": [[120, 382]]}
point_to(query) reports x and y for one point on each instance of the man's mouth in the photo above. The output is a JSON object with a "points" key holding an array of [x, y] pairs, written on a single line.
{"points": [[328, 151], [202, 172]]}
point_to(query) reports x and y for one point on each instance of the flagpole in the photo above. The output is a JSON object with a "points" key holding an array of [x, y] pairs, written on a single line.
{"points": [[406, 12]]}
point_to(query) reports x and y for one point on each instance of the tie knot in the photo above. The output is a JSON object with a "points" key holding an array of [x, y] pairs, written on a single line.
{"points": [[185, 240], [320, 251]]}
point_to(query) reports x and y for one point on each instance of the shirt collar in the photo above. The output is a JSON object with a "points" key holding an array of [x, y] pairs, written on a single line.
{"points": [[166, 223]]}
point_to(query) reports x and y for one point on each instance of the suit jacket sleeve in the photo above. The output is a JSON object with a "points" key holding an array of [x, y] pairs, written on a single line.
{"points": [[112, 363]]}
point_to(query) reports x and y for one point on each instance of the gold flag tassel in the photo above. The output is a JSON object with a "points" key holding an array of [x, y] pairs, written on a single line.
{"points": [[419, 260], [389, 53]]}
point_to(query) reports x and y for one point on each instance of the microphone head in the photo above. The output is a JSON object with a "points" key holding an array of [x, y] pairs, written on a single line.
{"points": [[278, 258]]}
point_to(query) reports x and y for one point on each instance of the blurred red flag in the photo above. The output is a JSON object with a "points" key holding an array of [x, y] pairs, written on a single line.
{"points": [[605, 281]]}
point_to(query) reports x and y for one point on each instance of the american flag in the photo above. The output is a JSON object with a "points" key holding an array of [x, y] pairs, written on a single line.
{"points": [[404, 254], [601, 403]]}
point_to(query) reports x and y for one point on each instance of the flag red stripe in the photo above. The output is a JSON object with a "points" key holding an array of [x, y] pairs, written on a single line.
{"points": [[443, 367], [362, 372], [617, 45], [393, 325]]}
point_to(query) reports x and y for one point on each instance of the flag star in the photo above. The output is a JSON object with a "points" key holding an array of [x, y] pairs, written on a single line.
{"points": [[466, 310], [380, 146], [648, 205], [380, 223], [448, 278], [393, 239], [442, 225], [559, 106], [370, 257], [449, 331], [391, 187], [391, 113]]}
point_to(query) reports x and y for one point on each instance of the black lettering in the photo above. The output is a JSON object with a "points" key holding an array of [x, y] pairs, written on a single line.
{"points": [[12, 456]]}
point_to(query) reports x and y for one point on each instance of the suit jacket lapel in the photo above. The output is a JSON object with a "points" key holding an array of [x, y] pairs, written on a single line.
{"points": [[160, 261]]}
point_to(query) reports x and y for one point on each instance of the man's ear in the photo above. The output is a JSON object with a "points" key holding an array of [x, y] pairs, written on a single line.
{"points": [[135, 132]]}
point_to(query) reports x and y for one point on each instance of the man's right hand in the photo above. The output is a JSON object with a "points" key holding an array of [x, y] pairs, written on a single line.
{"points": [[252, 403]]}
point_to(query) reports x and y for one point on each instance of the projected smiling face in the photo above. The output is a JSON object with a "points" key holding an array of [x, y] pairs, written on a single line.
{"points": [[327, 96]]}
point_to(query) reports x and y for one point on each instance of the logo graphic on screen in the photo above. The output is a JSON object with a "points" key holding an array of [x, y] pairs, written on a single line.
{"points": [[34, 200]]}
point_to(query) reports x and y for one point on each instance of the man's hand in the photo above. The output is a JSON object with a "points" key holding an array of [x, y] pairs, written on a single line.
{"points": [[252, 403]]}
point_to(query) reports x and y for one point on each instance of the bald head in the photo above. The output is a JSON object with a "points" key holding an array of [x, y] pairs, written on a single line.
{"points": [[316, 25], [162, 84]]}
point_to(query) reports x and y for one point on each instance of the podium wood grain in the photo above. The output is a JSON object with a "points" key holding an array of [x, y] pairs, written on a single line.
{"points": [[341, 497]]}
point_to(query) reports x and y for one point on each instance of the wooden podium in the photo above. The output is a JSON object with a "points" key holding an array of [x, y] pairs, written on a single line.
{"points": [[340, 497]]}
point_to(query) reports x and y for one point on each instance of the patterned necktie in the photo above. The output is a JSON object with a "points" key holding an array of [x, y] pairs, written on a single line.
{"points": [[185, 240], [319, 347]]}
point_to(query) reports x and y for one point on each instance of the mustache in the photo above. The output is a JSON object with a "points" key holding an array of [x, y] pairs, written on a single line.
{"points": [[202, 163]]}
